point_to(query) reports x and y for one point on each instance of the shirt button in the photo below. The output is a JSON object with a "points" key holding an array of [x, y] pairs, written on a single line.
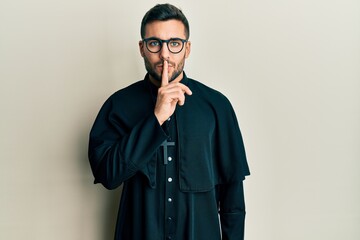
{"points": [[169, 119], [169, 159], [169, 199], [168, 238], [170, 179]]}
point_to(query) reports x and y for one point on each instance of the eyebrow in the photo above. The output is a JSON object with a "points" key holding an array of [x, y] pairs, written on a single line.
{"points": [[165, 39]]}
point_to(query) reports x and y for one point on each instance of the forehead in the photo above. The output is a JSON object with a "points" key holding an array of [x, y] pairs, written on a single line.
{"points": [[165, 29]]}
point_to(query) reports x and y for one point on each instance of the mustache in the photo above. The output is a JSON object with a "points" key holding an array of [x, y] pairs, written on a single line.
{"points": [[161, 63]]}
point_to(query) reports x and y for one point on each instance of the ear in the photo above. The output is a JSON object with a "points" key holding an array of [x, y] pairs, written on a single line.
{"points": [[141, 48], [188, 49]]}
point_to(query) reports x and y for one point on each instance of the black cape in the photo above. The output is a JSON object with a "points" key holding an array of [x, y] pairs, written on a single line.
{"points": [[211, 164]]}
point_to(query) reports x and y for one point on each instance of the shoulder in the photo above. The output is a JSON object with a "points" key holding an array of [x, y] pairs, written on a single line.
{"points": [[130, 97], [132, 90], [134, 94], [207, 93]]}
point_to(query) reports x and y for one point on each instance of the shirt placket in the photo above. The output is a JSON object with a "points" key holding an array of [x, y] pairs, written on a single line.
{"points": [[170, 184]]}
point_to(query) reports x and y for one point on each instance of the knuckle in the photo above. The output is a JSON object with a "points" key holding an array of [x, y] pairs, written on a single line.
{"points": [[161, 90]]}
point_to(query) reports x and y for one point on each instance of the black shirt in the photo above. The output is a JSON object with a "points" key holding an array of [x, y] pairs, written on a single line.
{"points": [[182, 197]]}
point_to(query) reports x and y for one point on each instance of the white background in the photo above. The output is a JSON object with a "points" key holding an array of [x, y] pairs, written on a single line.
{"points": [[290, 68]]}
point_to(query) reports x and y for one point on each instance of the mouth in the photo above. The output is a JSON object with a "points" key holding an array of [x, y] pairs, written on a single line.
{"points": [[160, 66]]}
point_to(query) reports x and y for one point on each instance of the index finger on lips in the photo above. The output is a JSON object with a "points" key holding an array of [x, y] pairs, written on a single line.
{"points": [[165, 74]]}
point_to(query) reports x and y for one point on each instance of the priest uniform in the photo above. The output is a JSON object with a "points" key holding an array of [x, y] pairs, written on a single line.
{"points": [[182, 180]]}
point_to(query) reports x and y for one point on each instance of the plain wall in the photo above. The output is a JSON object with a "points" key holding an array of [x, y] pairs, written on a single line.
{"points": [[290, 68]]}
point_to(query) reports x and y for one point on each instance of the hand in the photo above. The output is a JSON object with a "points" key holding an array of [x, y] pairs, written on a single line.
{"points": [[169, 95]]}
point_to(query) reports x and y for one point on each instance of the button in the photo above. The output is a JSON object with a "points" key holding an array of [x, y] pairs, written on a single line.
{"points": [[170, 179], [168, 238], [169, 219], [169, 159], [169, 119], [169, 199]]}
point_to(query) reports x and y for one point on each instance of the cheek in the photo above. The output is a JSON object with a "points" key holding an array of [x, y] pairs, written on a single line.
{"points": [[180, 59], [153, 59]]}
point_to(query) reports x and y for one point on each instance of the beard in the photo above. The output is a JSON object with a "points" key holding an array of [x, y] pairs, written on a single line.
{"points": [[152, 72]]}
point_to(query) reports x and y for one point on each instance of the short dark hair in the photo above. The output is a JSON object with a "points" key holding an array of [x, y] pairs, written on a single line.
{"points": [[164, 12]]}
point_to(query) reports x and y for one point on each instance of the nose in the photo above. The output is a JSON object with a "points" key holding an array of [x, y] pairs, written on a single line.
{"points": [[164, 52]]}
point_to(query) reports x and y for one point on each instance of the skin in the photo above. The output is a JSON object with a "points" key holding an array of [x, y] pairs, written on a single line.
{"points": [[166, 68]]}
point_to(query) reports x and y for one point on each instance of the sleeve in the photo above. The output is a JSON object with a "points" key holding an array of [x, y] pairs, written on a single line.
{"points": [[232, 211], [234, 168], [119, 148], [232, 160]]}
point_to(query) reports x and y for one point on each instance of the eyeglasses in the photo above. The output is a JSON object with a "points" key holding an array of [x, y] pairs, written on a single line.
{"points": [[154, 45]]}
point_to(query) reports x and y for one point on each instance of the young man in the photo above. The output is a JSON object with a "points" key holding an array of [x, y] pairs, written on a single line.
{"points": [[173, 143]]}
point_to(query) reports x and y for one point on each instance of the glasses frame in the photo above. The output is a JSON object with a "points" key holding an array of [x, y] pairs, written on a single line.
{"points": [[146, 40]]}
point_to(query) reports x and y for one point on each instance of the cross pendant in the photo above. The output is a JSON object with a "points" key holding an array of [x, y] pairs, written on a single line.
{"points": [[165, 145]]}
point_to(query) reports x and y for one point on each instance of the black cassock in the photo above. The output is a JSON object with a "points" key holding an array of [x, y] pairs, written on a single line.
{"points": [[182, 180]]}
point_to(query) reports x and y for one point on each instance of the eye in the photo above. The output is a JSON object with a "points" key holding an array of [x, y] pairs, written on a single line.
{"points": [[154, 43], [175, 43]]}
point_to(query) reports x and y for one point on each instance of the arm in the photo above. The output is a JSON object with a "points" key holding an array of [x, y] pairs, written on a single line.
{"points": [[121, 145], [118, 151], [232, 211]]}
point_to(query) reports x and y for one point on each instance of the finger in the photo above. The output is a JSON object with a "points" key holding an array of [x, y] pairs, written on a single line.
{"points": [[176, 86], [165, 74], [187, 90], [181, 100], [176, 96]]}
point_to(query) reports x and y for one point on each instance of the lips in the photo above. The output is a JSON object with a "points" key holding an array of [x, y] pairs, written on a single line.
{"points": [[160, 67]]}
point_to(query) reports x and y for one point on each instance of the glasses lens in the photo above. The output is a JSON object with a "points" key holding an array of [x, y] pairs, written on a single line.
{"points": [[153, 45], [175, 45]]}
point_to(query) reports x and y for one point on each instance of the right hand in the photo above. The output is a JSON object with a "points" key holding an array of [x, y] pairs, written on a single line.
{"points": [[169, 95]]}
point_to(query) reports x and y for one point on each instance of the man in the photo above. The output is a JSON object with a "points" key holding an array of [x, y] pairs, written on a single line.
{"points": [[173, 143]]}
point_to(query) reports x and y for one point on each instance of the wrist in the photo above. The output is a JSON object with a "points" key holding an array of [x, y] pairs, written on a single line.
{"points": [[159, 119]]}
